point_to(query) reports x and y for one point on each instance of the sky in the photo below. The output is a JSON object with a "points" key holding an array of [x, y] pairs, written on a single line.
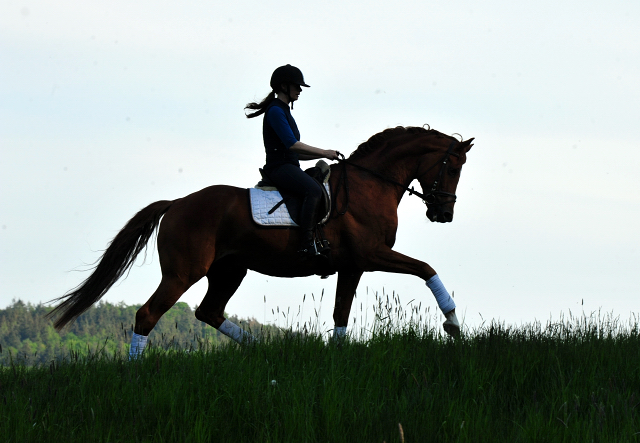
{"points": [[106, 107]]}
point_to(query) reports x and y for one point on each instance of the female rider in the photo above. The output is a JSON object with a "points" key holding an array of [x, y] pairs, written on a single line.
{"points": [[284, 148]]}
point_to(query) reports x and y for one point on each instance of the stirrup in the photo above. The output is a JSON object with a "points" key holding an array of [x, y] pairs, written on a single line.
{"points": [[323, 247], [308, 250]]}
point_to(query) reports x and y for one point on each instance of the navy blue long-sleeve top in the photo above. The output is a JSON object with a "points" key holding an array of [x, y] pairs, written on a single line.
{"points": [[279, 132]]}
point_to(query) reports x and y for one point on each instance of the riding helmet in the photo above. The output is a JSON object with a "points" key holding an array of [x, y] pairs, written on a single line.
{"points": [[286, 74]]}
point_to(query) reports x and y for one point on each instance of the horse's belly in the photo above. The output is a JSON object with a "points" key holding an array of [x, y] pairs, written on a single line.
{"points": [[286, 270]]}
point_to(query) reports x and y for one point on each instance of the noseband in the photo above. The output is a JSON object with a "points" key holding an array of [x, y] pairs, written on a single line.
{"points": [[431, 198]]}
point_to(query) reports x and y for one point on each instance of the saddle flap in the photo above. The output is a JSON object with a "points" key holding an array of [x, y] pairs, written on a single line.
{"points": [[267, 208]]}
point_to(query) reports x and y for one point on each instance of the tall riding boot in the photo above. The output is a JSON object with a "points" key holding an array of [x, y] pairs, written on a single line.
{"points": [[307, 223]]}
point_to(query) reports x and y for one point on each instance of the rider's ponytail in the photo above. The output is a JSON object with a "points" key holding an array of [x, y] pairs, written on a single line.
{"points": [[261, 107]]}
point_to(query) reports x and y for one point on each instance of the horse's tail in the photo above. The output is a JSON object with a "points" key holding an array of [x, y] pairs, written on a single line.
{"points": [[119, 256]]}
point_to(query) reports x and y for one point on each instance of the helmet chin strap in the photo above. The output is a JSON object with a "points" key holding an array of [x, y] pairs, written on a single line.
{"points": [[287, 92], [289, 95]]}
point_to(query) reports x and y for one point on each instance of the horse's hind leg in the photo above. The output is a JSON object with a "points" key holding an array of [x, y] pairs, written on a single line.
{"points": [[167, 294], [224, 278]]}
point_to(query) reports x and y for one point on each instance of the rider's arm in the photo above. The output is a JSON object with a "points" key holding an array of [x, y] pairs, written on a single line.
{"points": [[307, 157], [279, 123], [307, 152]]}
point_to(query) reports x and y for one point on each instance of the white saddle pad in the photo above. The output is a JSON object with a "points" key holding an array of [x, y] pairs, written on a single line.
{"points": [[263, 201]]}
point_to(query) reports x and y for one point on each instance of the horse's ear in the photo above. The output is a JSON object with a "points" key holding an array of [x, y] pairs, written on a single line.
{"points": [[465, 145]]}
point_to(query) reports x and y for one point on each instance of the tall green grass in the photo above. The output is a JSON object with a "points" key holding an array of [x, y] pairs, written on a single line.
{"points": [[574, 380]]}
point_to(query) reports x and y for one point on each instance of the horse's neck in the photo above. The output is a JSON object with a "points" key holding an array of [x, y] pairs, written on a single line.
{"points": [[397, 164], [400, 165], [385, 173]]}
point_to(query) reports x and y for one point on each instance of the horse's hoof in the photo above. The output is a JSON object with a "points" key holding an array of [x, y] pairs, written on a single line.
{"points": [[451, 325]]}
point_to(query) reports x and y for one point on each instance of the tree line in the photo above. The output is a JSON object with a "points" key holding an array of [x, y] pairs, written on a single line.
{"points": [[26, 335]]}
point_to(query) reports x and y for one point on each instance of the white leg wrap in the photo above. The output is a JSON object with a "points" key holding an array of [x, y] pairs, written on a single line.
{"points": [[138, 343], [339, 332], [443, 298], [235, 332]]}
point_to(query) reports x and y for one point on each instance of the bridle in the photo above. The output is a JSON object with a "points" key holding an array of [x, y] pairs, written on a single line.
{"points": [[430, 199], [435, 187]]}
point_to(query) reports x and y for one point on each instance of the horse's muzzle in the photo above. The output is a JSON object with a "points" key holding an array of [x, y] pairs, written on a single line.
{"points": [[440, 214]]}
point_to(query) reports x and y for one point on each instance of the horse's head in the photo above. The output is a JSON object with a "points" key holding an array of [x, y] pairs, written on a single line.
{"points": [[440, 180]]}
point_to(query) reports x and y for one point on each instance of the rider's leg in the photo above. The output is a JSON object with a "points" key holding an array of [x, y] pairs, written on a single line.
{"points": [[293, 179], [307, 223]]}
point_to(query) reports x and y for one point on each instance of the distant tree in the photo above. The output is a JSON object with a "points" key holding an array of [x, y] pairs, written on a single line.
{"points": [[26, 334]]}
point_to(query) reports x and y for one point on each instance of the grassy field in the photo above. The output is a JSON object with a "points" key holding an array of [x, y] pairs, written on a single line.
{"points": [[577, 380]]}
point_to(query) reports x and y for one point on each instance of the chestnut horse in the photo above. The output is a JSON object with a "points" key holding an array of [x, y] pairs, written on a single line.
{"points": [[211, 233]]}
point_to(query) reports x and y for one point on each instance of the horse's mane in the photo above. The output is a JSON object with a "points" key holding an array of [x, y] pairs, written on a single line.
{"points": [[380, 139]]}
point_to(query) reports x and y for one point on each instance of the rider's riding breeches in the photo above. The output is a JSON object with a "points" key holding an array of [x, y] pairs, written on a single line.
{"points": [[294, 180]]}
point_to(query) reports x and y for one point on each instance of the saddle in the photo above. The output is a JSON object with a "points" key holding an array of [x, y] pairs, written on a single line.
{"points": [[320, 173]]}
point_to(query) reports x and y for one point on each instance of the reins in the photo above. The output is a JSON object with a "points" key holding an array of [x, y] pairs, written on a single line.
{"points": [[429, 198]]}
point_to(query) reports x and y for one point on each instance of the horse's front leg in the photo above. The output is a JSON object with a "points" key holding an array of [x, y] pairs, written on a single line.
{"points": [[345, 291], [388, 260]]}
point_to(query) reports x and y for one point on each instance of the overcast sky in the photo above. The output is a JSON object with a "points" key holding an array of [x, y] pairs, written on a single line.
{"points": [[106, 107]]}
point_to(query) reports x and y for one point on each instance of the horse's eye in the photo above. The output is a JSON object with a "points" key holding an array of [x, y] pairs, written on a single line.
{"points": [[453, 171]]}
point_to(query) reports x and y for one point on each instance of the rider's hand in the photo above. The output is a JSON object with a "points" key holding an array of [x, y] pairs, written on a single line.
{"points": [[331, 154]]}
